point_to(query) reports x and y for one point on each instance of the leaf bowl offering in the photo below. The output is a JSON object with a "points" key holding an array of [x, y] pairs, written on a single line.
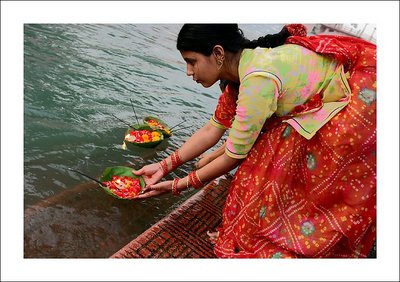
{"points": [[158, 124], [120, 182], [142, 135]]}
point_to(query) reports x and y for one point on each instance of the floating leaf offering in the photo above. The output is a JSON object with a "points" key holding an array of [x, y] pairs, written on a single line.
{"points": [[142, 136], [123, 186], [120, 182], [156, 123]]}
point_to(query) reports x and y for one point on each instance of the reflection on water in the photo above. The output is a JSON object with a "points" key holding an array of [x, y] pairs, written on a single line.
{"points": [[83, 221], [75, 77]]}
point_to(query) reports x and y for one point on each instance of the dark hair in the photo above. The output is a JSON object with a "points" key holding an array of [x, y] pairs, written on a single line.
{"points": [[203, 37]]}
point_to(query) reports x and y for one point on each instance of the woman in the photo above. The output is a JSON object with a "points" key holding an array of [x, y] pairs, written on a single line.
{"points": [[302, 132]]}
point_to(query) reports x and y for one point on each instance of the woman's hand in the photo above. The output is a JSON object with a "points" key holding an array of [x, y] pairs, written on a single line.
{"points": [[156, 189], [208, 158], [204, 159], [151, 173]]}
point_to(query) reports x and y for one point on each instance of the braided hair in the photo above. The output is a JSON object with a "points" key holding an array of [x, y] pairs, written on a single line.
{"points": [[202, 38], [269, 40]]}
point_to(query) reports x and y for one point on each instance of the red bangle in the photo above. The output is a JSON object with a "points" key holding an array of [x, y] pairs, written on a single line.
{"points": [[195, 180], [175, 160], [164, 167], [175, 190]]}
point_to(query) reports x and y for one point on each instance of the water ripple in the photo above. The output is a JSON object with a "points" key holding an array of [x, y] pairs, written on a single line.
{"points": [[75, 77]]}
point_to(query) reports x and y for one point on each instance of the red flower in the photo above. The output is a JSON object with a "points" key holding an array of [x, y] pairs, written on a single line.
{"points": [[124, 186]]}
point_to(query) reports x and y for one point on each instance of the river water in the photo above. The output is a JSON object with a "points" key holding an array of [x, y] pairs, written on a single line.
{"points": [[75, 78]]}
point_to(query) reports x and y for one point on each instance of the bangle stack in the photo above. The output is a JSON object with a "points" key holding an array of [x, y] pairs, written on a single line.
{"points": [[194, 180], [175, 160], [164, 166], [174, 187]]}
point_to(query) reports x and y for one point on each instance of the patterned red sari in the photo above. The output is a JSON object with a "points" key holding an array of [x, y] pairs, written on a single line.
{"points": [[293, 197]]}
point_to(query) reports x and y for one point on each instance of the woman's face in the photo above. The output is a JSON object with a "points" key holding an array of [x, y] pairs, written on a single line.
{"points": [[203, 68]]}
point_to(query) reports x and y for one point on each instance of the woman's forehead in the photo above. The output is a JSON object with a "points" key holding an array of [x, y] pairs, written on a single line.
{"points": [[189, 54]]}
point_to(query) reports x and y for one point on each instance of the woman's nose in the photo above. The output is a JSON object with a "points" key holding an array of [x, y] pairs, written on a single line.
{"points": [[189, 71]]}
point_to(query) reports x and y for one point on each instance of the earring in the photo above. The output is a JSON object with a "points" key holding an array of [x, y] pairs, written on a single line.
{"points": [[220, 63]]}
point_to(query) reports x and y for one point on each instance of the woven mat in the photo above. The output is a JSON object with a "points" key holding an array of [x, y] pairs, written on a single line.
{"points": [[183, 233]]}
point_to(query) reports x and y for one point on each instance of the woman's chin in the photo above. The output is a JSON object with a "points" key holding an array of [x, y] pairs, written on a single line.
{"points": [[205, 84]]}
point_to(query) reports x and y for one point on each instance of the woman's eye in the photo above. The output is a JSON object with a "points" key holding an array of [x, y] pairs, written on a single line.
{"points": [[190, 62]]}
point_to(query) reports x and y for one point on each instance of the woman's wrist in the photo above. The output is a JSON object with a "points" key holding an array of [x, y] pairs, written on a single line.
{"points": [[179, 184], [174, 162], [187, 182], [194, 180], [164, 167], [174, 187]]}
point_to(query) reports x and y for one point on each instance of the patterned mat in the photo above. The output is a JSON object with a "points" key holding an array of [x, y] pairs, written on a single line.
{"points": [[183, 233]]}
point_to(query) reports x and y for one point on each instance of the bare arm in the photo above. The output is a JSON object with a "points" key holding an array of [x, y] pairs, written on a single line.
{"points": [[220, 166], [198, 143], [207, 158], [202, 140]]}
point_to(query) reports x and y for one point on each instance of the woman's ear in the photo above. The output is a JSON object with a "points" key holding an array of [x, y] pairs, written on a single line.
{"points": [[219, 52]]}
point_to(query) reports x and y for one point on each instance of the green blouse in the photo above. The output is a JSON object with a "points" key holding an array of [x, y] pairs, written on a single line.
{"points": [[275, 81]]}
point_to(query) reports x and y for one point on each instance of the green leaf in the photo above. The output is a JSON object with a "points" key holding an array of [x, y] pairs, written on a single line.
{"points": [[109, 172], [167, 132], [131, 145]]}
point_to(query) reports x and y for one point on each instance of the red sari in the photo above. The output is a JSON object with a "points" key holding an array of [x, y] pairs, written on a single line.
{"points": [[293, 197]]}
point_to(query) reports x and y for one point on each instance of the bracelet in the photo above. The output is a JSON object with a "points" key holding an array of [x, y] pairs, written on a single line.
{"points": [[174, 187], [195, 180], [164, 166], [175, 160]]}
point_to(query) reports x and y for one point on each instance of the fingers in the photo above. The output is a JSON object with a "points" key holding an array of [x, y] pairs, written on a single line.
{"points": [[149, 194], [202, 162], [149, 180], [156, 187], [198, 164], [213, 236], [138, 172]]}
